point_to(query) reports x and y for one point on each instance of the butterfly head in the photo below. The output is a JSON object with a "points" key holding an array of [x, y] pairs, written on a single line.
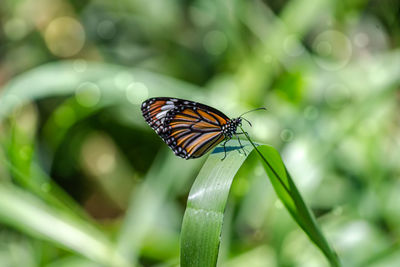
{"points": [[230, 128], [237, 121]]}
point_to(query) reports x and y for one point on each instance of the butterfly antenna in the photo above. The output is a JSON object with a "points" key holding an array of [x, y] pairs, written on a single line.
{"points": [[247, 121], [252, 111]]}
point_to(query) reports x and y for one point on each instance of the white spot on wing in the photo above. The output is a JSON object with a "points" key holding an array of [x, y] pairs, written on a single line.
{"points": [[167, 107], [162, 114]]}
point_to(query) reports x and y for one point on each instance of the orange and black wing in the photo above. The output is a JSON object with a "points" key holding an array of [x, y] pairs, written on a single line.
{"points": [[155, 111], [190, 129]]}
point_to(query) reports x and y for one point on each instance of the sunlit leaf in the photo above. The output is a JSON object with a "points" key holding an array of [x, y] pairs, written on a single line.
{"points": [[202, 224]]}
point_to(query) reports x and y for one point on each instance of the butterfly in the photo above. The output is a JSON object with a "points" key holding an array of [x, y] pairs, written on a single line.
{"points": [[189, 128]]}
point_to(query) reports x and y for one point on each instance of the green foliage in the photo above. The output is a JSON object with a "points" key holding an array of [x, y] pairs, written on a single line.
{"points": [[85, 182], [202, 223]]}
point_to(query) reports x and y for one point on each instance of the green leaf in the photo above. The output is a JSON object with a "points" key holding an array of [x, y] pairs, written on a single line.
{"points": [[21, 163], [291, 198], [27, 213], [202, 223], [97, 86], [110, 85]]}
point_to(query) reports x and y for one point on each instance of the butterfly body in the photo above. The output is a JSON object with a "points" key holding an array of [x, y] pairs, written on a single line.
{"points": [[230, 128], [189, 128]]}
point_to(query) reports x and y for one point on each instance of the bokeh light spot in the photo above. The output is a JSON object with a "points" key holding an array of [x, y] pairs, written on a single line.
{"points": [[259, 171], [202, 17], [287, 135], [265, 128], [333, 49], [80, 65], [215, 42], [337, 95], [123, 79], [136, 93], [278, 204], [88, 94], [15, 29], [105, 163], [310, 113], [361, 39], [338, 211], [64, 36], [292, 46], [106, 29], [324, 48], [99, 155], [353, 234]]}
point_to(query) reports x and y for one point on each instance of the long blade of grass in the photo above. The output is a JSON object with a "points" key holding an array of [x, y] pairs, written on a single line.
{"points": [[27, 213], [29, 175], [202, 223], [290, 196], [114, 85]]}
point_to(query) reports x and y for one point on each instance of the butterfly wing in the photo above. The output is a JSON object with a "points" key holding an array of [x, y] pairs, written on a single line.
{"points": [[193, 131], [155, 110], [190, 129]]}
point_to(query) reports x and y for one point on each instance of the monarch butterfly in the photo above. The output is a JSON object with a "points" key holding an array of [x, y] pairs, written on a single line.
{"points": [[189, 128]]}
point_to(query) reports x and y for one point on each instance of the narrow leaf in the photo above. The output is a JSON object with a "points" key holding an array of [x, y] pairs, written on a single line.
{"points": [[30, 215], [202, 223]]}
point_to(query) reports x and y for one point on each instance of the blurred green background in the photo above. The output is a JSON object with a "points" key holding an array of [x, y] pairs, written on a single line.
{"points": [[85, 182]]}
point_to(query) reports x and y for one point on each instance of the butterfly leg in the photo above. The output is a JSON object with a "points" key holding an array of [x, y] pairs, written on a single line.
{"points": [[224, 149], [241, 146]]}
